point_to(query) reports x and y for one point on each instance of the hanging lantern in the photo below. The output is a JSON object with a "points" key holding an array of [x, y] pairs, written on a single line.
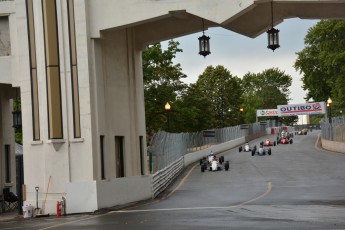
{"points": [[204, 43], [273, 35], [273, 39], [17, 114], [17, 119]]}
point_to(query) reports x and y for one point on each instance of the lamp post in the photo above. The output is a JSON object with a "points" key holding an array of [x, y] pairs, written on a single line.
{"points": [[167, 108], [241, 112], [329, 103]]}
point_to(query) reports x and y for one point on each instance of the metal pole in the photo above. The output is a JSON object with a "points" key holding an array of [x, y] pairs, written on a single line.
{"points": [[168, 120], [37, 188]]}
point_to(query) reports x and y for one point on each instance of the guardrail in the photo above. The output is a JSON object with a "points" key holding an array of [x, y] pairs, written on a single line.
{"points": [[162, 178]]}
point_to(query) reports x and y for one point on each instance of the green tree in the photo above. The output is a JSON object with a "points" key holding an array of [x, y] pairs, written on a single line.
{"points": [[162, 83], [264, 90], [224, 93], [195, 111], [322, 63]]}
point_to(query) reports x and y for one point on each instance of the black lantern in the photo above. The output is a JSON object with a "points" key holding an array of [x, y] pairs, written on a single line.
{"points": [[273, 35], [273, 39], [17, 119], [17, 114], [204, 43]]}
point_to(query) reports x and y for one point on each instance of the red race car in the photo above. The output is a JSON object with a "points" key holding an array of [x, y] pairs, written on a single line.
{"points": [[268, 142], [284, 138]]}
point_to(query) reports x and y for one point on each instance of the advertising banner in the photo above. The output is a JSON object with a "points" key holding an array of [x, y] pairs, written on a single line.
{"points": [[266, 112], [301, 109]]}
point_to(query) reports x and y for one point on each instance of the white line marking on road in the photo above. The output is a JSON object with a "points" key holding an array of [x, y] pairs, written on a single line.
{"points": [[269, 188]]}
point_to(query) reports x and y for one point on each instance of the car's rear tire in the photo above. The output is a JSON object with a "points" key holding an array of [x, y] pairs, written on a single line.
{"points": [[202, 168], [226, 166], [253, 152], [240, 149]]}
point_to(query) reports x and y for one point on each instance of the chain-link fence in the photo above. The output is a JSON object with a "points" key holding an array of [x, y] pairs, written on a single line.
{"points": [[334, 130], [166, 148]]}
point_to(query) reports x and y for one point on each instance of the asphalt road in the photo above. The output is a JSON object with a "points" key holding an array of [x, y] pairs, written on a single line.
{"points": [[297, 187]]}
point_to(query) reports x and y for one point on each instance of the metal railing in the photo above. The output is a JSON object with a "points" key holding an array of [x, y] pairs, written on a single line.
{"points": [[162, 179], [334, 130], [165, 148]]}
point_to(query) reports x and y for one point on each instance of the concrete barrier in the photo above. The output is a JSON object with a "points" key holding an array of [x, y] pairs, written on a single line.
{"points": [[255, 136], [90, 196], [334, 146]]}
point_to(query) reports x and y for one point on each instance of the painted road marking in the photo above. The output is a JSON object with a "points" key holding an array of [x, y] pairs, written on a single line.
{"points": [[269, 188]]}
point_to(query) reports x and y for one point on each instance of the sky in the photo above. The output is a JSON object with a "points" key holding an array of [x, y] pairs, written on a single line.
{"points": [[240, 54]]}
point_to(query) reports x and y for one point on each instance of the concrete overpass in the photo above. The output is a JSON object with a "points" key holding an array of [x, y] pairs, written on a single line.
{"points": [[77, 64]]}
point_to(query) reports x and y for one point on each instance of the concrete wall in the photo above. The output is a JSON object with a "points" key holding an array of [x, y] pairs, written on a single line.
{"points": [[90, 196], [333, 145], [255, 136]]}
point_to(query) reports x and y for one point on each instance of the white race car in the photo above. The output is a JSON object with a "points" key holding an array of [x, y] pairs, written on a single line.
{"points": [[246, 148], [211, 163], [262, 151]]}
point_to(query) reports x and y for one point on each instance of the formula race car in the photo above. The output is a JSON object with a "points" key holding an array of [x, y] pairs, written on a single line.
{"points": [[262, 151], [246, 148], [268, 142], [211, 163], [284, 138], [302, 132]]}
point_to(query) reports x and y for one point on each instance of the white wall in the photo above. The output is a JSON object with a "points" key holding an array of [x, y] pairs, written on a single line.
{"points": [[94, 195]]}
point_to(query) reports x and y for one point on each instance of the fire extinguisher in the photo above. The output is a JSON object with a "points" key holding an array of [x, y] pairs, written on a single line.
{"points": [[58, 209]]}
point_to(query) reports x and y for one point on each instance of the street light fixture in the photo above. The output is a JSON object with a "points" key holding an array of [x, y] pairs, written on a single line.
{"points": [[167, 108], [273, 34], [204, 43], [241, 112], [17, 113], [329, 102]]}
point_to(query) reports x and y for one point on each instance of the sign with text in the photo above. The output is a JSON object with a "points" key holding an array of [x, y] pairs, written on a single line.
{"points": [[266, 112], [301, 109]]}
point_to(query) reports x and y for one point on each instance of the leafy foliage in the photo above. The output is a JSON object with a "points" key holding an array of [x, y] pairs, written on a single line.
{"points": [[322, 62], [224, 93], [264, 90], [162, 83]]}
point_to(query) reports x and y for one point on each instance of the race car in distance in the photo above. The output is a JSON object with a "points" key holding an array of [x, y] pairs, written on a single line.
{"points": [[302, 132], [284, 138], [262, 151], [246, 148], [268, 142], [211, 163]]}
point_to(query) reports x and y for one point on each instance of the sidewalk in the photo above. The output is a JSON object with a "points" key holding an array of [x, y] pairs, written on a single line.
{"points": [[10, 216]]}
